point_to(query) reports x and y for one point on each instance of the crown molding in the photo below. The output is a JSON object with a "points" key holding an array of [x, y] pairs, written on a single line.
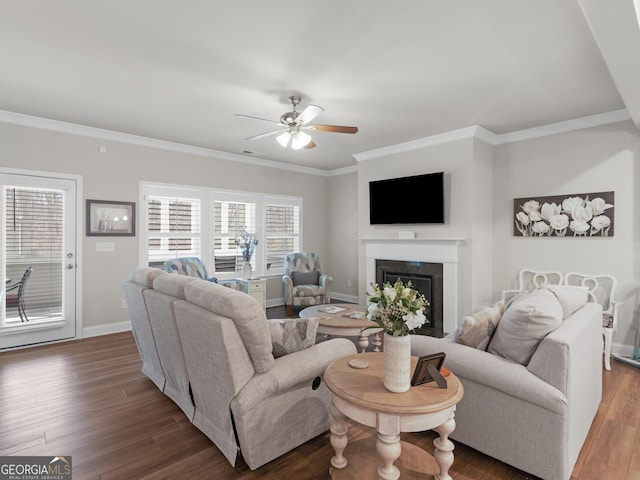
{"points": [[564, 127], [475, 131], [342, 171], [411, 145], [494, 139], [82, 130]]}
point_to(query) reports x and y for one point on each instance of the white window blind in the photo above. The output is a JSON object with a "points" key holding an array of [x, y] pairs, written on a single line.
{"points": [[190, 221], [231, 218], [282, 232], [34, 238], [173, 228]]}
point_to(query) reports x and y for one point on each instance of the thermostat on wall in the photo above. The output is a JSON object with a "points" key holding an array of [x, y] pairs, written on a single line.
{"points": [[406, 235]]}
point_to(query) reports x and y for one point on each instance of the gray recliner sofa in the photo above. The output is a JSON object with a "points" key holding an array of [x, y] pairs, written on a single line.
{"points": [[244, 399], [533, 416]]}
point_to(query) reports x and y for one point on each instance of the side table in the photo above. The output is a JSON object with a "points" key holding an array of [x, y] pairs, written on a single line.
{"points": [[360, 395], [256, 287]]}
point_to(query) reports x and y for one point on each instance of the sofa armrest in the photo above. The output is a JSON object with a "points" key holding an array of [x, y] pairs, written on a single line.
{"points": [[325, 281], [572, 351], [288, 289], [492, 371], [292, 370]]}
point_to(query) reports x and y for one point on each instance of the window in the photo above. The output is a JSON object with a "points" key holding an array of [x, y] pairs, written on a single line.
{"points": [[282, 232], [33, 237], [173, 226], [205, 223], [231, 219]]}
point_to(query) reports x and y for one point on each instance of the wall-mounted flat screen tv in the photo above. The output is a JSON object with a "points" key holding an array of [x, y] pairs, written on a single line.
{"points": [[418, 199]]}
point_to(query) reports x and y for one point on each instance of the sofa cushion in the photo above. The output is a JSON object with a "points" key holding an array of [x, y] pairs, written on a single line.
{"points": [[145, 275], [476, 330], [571, 298], [524, 324], [172, 285], [305, 278], [292, 334], [245, 311]]}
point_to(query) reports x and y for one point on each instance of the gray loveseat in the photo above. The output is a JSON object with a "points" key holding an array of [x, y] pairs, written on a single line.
{"points": [[533, 415], [210, 349]]}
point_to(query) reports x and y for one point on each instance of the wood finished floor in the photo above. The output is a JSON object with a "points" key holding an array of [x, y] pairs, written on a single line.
{"points": [[88, 399]]}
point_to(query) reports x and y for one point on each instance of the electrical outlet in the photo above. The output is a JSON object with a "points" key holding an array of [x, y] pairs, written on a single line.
{"points": [[349, 283], [124, 304]]}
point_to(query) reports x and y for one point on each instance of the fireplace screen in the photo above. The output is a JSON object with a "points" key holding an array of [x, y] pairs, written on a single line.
{"points": [[425, 278]]}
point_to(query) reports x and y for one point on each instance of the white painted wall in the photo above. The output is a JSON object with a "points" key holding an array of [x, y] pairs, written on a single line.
{"points": [[467, 165], [342, 231], [591, 160], [480, 184], [115, 175]]}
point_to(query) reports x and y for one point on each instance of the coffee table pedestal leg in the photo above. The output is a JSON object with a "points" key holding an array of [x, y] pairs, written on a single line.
{"points": [[389, 449], [388, 445], [376, 342], [444, 448], [339, 437]]}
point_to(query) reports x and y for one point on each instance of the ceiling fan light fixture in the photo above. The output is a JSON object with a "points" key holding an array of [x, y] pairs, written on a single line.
{"points": [[299, 140], [294, 121], [283, 139]]}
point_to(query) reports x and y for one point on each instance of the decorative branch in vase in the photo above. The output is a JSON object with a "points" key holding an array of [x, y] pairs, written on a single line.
{"points": [[247, 245]]}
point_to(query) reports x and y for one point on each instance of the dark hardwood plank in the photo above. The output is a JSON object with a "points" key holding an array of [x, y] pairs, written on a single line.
{"points": [[88, 399]]}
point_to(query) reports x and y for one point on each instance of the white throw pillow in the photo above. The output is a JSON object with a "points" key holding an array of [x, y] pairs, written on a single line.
{"points": [[524, 324], [571, 298]]}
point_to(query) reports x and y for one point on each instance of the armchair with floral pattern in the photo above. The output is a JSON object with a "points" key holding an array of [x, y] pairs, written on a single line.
{"points": [[304, 284]]}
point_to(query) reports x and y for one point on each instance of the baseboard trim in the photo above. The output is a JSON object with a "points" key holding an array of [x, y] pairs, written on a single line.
{"points": [[106, 329], [622, 349], [343, 297]]}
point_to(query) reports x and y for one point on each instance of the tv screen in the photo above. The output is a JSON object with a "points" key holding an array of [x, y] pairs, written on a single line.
{"points": [[418, 199]]}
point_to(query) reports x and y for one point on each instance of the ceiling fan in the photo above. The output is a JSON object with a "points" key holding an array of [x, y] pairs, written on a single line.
{"points": [[295, 123]]}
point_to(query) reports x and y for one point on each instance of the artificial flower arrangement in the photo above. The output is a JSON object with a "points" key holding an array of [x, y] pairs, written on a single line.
{"points": [[247, 244], [397, 309]]}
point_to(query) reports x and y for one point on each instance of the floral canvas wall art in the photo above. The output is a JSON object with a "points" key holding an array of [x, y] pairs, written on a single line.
{"points": [[577, 215]]}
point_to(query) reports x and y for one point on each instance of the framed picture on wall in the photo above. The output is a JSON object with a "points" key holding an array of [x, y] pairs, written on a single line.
{"points": [[576, 215], [111, 218]]}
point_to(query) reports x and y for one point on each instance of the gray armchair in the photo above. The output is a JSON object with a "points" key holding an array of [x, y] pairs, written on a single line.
{"points": [[304, 284]]}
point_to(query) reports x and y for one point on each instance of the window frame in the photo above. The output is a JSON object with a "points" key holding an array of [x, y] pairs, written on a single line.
{"points": [[207, 197]]}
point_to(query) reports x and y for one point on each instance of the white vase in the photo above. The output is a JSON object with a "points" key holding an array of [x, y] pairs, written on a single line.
{"points": [[396, 360], [246, 271]]}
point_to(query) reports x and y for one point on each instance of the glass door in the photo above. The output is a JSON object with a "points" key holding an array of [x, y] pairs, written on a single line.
{"points": [[37, 259]]}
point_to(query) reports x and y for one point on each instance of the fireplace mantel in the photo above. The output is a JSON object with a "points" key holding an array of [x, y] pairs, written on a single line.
{"points": [[434, 250]]}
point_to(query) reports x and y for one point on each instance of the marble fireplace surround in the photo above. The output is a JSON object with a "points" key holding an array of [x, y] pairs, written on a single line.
{"points": [[432, 250]]}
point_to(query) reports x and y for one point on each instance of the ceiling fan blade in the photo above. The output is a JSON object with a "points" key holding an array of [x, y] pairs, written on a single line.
{"points": [[263, 135], [308, 114], [333, 128], [310, 144], [258, 118]]}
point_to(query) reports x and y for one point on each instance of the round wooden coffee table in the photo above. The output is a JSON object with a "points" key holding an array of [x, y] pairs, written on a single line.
{"points": [[345, 320], [360, 395]]}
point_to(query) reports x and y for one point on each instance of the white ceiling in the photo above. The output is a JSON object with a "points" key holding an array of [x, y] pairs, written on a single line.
{"points": [[400, 71]]}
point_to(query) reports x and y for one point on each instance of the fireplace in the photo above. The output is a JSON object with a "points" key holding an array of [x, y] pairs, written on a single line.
{"points": [[426, 278], [441, 251]]}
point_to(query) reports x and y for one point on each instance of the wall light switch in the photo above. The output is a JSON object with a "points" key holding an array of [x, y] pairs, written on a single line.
{"points": [[105, 247]]}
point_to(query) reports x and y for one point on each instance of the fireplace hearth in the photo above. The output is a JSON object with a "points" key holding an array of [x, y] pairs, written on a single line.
{"points": [[426, 278]]}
